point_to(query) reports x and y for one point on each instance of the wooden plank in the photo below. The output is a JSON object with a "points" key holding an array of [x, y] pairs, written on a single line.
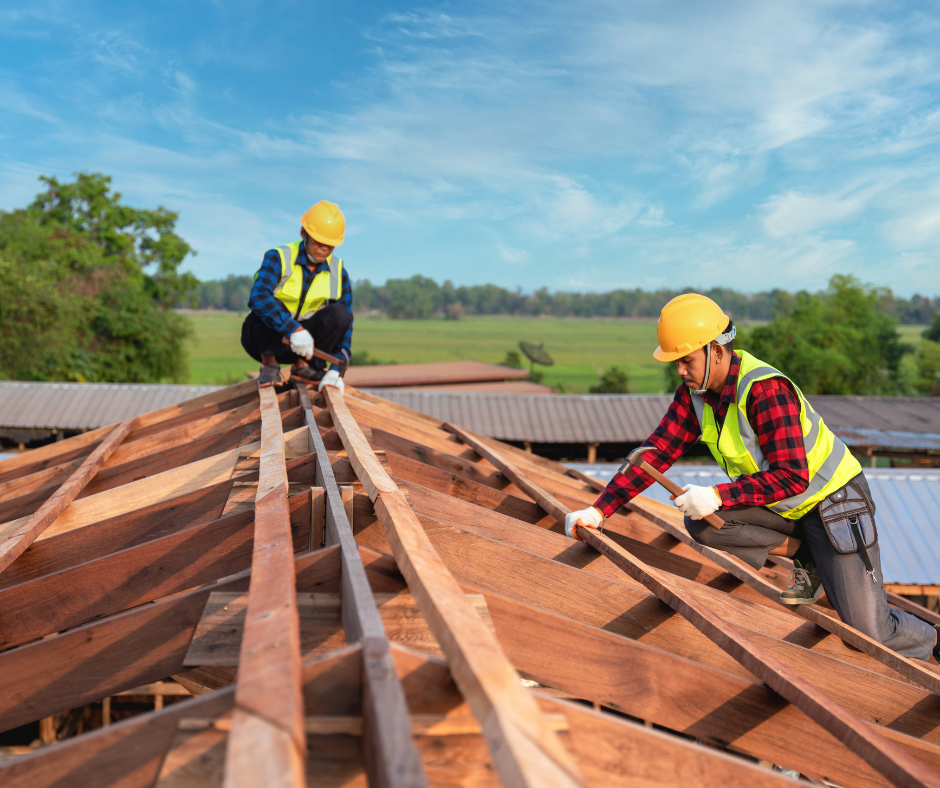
{"points": [[911, 669], [524, 750], [645, 682], [145, 492], [635, 613], [137, 575], [390, 755], [875, 749], [172, 415], [114, 534], [128, 754], [267, 743], [615, 751], [517, 477], [16, 542]]}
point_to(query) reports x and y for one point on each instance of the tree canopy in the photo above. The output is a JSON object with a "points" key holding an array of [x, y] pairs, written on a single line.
{"points": [[835, 343], [87, 285]]}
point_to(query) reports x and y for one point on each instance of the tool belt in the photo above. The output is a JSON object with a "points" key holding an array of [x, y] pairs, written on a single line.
{"points": [[848, 516]]}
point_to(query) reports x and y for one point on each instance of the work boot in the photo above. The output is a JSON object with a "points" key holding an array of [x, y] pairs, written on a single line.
{"points": [[936, 648], [306, 373], [270, 375], [804, 587]]}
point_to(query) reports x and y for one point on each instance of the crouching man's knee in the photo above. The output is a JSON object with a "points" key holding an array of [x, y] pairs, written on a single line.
{"points": [[703, 533]]}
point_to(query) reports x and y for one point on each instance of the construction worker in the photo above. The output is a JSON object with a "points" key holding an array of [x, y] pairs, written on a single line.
{"points": [[796, 490], [302, 299]]}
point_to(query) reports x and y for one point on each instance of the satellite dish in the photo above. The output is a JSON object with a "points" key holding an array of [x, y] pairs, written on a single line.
{"points": [[536, 353]]}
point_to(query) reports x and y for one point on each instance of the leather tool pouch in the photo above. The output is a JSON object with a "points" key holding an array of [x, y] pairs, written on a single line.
{"points": [[849, 518]]}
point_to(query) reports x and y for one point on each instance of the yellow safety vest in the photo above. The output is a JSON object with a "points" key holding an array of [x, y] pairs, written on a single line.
{"points": [[735, 447], [326, 285]]}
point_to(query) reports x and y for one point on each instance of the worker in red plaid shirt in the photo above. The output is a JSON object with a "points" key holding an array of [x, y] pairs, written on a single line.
{"points": [[795, 490]]}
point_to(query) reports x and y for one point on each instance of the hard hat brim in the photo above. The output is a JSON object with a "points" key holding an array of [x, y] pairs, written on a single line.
{"points": [[334, 242], [661, 355]]}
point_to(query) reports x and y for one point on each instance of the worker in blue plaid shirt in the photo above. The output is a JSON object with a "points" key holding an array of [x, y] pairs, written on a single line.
{"points": [[301, 299]]}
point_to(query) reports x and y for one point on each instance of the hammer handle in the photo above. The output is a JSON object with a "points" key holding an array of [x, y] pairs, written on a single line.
{"points": [[675, 489], [317, 353]]}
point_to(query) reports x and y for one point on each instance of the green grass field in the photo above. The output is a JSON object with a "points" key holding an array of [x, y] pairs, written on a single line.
{"points": [[581, 347]]}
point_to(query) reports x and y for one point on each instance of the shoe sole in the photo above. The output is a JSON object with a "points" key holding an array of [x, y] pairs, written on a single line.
{"points": [[305, 381], [804, 601]]}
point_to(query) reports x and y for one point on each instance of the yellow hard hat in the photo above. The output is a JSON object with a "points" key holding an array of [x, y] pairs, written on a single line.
{"points": [[687, 323], [325, 223]]}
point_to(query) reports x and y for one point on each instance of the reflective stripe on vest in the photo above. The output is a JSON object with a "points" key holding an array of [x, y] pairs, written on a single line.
{"points": [[326, 285], [735, 447]]}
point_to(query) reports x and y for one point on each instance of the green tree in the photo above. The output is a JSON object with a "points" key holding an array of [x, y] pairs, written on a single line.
{"points": [[933, 332], [614, 380], [87, 285], [835, 343]]}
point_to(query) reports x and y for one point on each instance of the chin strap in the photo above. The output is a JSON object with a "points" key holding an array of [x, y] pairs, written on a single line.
{"points": [[708, 370], [721, 339]]}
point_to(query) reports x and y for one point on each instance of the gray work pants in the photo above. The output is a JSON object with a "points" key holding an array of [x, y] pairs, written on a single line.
{"points": [[750, 533]]}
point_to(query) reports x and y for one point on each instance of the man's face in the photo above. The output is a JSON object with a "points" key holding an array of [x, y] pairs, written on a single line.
{"points": [[315, 250], [691, 369]]}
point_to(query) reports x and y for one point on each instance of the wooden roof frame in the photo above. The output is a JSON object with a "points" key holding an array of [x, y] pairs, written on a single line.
{"points": [[352, 591]]}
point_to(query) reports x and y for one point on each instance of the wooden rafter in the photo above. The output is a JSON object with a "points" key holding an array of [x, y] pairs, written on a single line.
{"points": [[14, 545], [525, 750], [392, 757], [267, 744]]}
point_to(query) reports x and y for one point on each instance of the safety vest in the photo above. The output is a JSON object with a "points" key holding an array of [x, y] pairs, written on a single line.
{"points": [[735, 447], [326, 285]]}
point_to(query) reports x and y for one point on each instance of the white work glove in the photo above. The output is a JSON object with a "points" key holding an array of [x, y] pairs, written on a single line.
{"points": [[590, 517], [332, 378], [697, 502], [302, 343]]}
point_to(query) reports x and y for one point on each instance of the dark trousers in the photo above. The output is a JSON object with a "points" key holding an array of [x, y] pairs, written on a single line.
{"points": [[327, 327], [751, 532]]}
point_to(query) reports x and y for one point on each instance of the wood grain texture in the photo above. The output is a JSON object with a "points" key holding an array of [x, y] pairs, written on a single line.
{"points": [[514, 474], [267, 743], [876, 750], [524, 749], [390, 756], [910, 669], [126, 754], [21, 538]]}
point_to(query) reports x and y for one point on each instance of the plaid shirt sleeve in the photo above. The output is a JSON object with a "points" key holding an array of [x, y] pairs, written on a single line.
{"points": [[346, 299], [262, 302], [678, 430], [773, 409]]}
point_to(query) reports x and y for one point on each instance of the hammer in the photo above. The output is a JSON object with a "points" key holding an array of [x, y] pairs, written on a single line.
{"points": [[317, 353], [635, 458]]}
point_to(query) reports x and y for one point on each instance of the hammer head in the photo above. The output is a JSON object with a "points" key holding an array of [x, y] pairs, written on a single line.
{"points": [[635, 457]]}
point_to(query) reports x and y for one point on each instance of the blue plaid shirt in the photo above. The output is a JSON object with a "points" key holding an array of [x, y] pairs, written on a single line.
{"points": [[274, 314]]}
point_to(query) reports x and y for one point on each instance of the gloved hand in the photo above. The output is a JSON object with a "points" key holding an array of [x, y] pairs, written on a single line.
{"points": [[590, 517], [332, 378], [302, 343], [697, 501]]}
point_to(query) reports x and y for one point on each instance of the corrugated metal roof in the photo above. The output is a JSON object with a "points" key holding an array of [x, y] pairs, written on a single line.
{"points": [[630, 418], [76, 406], [907, 507]]}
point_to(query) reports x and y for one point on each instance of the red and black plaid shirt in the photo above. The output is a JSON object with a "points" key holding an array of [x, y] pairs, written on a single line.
{"points": [[773, 410]]}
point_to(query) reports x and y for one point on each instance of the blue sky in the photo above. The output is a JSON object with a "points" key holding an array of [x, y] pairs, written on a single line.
{"points": [[571, 145]]}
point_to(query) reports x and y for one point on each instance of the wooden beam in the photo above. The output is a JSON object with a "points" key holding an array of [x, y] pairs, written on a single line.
{"points": [[267, 743], [911, 669], [14, 544], [881, 754], [516, 476], [390, 754], [525, 750], [140, 574], [634, 613], [876, 750]]}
